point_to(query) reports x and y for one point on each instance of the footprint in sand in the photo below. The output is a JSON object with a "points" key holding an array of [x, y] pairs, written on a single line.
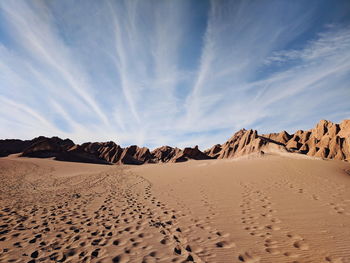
{"points": [[334, 259], [248, 257], [272, 251], [121, 259], [225, 244], [291, 255], [302, 245]]}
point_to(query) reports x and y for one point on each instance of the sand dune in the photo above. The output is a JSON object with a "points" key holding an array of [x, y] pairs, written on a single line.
{"points": [[269, 209]]}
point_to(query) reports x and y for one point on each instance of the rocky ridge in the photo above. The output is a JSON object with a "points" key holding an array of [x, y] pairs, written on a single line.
{"points": [[97, 152], [327, 140]]}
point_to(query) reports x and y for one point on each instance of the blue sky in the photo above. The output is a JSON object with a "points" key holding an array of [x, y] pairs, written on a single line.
{"points": [[179, 73]]}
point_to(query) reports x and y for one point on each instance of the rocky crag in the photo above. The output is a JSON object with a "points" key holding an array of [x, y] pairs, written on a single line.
{"points": [[327, 140]]}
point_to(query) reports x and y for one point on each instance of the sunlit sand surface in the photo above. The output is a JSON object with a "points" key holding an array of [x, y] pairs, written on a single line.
{"points": [[266, 209]]}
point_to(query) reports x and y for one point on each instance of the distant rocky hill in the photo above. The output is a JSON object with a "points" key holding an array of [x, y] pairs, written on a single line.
{"points": [[97, 152], [327, 140], [244, 142]]}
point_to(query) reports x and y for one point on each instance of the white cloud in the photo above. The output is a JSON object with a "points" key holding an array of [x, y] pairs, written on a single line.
{"points": [[33, 30]]}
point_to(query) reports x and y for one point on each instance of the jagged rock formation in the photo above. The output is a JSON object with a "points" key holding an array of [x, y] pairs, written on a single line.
{"points": [[214, 151], [97, 152], [91, 152], [39, 144], [165, 154], [242, 143], [190, 153], [327, 140], [59, 149], [135, 155], [108, 151], [282, 137], [43, 147]]}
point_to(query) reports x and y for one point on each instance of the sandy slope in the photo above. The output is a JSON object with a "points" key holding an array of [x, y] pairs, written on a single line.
{"points": [[271, 209]]}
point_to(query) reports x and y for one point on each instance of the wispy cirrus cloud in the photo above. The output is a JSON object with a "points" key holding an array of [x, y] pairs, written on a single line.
{"points": [[170, 72], [39, 41]]}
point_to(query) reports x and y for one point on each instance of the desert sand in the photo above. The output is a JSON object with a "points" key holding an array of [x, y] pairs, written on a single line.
{"points": [[272, 208]]}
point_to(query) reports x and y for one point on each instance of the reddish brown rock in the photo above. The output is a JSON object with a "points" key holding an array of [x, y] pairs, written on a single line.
{"points": [[293, 144], [135, 155], [330, 140], [164, 154], [246, 142], [326, 140], [282, 137], [190, 154], [344, 128], [96, 152], [44, 147], [112, 153], [214, 151]]}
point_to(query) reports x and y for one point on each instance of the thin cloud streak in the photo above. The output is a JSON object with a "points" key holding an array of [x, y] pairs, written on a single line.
{"points": [[41, 43]]}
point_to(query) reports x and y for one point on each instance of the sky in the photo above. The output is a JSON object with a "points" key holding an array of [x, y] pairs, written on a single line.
{"points": [[179, 73]]}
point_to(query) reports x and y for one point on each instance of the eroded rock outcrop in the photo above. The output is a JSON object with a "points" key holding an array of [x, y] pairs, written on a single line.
{"points": [[43, 147], [327, 140], [190, 154], [165, 154], [135, 155], [282, 137], [245, 142], [98, 152], [94, 152]]}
